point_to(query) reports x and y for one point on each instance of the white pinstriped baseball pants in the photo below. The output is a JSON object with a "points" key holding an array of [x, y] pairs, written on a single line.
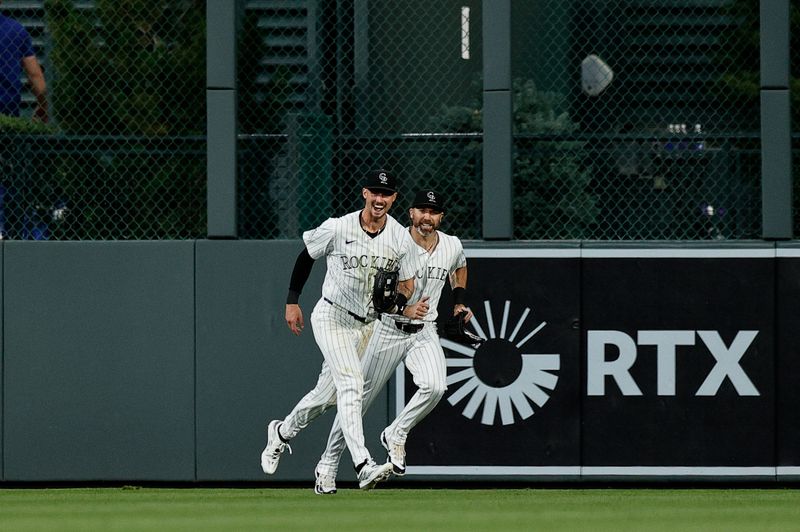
{"points": [[342, 339], [388, 347]]}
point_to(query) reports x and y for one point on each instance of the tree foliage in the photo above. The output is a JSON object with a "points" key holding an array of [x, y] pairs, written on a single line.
{"points": [[24, 126], [743, 76], [741, 58], [130, 74], [129, 67]]}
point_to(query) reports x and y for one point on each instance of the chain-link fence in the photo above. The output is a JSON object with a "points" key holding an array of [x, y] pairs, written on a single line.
{"points": [[122, 155], [669, 149], [633, 119], [332, 89]]}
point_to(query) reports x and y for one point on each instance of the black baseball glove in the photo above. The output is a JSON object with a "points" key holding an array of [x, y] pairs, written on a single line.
{"points": [[454, 330], [384, 290]]}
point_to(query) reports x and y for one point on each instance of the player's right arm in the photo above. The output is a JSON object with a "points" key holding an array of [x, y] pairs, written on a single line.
{"points": [[406, 288], [300, 273], [318, 243], [416, 310]]}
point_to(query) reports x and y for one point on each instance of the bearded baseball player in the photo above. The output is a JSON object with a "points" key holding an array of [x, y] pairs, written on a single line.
{"points": [[356, 247], [407, 338]]}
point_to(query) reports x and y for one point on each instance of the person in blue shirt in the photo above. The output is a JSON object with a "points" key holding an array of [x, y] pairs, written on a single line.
{"points": [[16, 53]]}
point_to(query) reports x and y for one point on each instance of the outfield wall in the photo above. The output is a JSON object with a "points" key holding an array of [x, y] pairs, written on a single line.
{"points": [[162, 361]]}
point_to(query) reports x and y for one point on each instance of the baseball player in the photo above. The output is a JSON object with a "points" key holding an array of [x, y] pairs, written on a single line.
{"points": [[355, 246], [407, 338]]}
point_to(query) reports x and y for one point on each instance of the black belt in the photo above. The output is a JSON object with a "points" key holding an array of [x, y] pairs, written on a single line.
{"points": [[353, 314], [410, 328]]}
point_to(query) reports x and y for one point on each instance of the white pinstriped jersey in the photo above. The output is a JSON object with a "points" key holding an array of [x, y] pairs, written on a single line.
{"points": [[353, 257], [442, 261]]}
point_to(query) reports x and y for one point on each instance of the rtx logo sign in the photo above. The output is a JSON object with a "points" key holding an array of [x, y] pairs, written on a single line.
{"points": [[726, 357]]}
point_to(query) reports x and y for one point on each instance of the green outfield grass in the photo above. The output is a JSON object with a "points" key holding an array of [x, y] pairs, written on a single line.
{"points": [[385, 509]]}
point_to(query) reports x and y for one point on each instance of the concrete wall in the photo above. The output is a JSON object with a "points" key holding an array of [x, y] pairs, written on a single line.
{"points": [[250, 368], [153, 361], [98, 361]]}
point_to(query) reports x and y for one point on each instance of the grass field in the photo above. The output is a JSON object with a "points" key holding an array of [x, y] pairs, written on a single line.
{"points": [[498, 510]]}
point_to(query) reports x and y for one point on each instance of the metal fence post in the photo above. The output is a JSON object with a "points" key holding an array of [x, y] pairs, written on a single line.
{"points": [[776, 142], [221, 129], [497, 137]]}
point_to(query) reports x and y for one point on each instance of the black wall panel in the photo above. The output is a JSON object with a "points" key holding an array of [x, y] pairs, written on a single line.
{"points": [[680, 425], [517, 403], [788, 363]]}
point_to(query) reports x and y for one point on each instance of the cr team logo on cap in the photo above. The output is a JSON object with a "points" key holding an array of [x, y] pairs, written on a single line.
{"points": [[383, 177], [432, 196]]}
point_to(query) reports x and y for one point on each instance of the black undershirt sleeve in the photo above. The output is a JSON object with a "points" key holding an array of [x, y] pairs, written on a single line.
{"points": [[300, 273]]}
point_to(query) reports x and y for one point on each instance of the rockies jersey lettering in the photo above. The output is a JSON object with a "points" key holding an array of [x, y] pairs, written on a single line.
{"points": [[433, 272], [384, 263]]}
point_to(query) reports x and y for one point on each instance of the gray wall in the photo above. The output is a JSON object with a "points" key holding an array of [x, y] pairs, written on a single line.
{"points": [[250, 368], [154, 361], [98, 361]]}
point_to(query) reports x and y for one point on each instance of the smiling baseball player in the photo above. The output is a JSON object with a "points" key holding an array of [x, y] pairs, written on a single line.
{"points": [[398, 338], [356, 246]]}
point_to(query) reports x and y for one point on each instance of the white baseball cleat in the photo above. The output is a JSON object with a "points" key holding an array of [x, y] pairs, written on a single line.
{"points": [[325, 483], [372, 473], [397, 454], [275, 446]]}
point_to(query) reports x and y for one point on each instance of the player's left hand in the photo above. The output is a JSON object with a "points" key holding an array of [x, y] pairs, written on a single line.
{"points": [[463, 308], [294, 318]]}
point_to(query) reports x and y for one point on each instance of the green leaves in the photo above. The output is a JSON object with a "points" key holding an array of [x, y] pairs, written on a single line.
{"points": [[129, 67], [23, 126]]}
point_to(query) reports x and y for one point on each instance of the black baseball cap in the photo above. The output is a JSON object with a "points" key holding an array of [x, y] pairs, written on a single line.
{"points": [[380, 180], [428, 198]]}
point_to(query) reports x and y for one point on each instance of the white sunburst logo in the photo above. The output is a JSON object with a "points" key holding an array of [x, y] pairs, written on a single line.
{"points": [[499, 372]]}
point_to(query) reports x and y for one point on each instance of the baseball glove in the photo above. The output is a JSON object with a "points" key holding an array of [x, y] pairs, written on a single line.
{"points": [[384, 290], [454, 330]]}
